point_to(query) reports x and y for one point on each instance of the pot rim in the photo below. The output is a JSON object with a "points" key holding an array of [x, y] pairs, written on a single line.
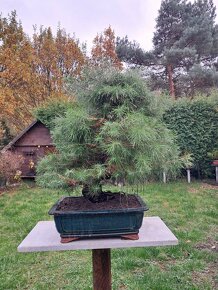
{"points": [[54, 211]]}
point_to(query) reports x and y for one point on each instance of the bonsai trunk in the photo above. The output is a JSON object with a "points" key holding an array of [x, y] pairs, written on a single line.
{"points": [[92, 191]]}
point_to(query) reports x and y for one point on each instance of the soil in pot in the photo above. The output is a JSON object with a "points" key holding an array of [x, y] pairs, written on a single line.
{"points": [[115, 201]]}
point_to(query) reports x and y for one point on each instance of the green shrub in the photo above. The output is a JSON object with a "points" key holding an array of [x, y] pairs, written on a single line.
{"points": [[51, 110], [196, 125]]}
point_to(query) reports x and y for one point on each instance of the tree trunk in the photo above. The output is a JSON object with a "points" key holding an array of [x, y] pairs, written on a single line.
{"points": [[92, 192], [199, 171], [171, 82]]}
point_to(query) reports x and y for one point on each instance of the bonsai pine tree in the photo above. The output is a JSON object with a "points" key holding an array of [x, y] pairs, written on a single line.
{"points": [[113, 131]]}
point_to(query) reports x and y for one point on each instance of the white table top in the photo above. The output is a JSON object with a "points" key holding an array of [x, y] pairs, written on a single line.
{"points": [[44, 237]]}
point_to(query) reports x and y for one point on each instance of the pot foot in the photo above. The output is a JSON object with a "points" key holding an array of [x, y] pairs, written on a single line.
{"points": [[132, 237], [68, 240]]}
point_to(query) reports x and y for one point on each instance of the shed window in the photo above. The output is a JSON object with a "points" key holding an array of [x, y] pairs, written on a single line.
{"points": [[29, 153]]}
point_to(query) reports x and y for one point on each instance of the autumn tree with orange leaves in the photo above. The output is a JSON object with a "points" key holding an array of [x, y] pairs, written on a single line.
{"points": [[17, 77], [104, 49], [58, 57], [31, 72]]}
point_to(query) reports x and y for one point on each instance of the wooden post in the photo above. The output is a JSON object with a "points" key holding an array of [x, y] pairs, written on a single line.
{"points": [[101, 267], [216, 174], [188, 175], [164, 177]]}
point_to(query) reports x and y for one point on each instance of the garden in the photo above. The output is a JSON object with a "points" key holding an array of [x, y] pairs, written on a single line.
{"points": [[119, 138], [189, 210], [119, 134]]}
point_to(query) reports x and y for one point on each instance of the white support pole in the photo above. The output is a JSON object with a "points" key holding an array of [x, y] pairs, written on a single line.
{"points": [[216, 174], [164, 177], [188, 176]]}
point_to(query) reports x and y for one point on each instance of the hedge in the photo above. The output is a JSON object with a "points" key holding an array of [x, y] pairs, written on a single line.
{"points": [[196, 125]]}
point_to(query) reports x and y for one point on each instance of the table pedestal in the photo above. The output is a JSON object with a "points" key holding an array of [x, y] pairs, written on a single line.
{"points": [[44, 237], [101, 267]]}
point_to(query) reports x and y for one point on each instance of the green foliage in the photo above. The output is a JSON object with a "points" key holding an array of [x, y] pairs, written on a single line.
{"points": [[213, 98], [213, 154], [72, 132], [195, 123], [105, 88], [114, 131], [131, 53], [137, 145], [187, 160], [47, 113], [51, 167], [5, 134]]}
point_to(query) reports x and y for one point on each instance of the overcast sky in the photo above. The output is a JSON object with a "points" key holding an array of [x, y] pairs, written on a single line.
{"points": [[85, 18]]}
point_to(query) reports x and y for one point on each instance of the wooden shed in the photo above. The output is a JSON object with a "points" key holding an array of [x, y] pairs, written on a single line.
{"points": [[34, 142]]}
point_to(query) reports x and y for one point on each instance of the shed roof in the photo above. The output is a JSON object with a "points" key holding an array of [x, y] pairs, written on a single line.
{"points": [[7, 147]]}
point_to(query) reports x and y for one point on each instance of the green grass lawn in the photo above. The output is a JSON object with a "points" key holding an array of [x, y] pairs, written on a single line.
{"points": [[190, 211]]}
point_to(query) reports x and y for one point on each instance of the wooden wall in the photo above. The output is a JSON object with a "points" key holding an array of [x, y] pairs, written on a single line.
{"points": [[33, 145], [37, 135]]}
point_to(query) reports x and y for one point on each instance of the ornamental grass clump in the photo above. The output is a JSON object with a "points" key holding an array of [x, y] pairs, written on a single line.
{"points": [[112, 132]]}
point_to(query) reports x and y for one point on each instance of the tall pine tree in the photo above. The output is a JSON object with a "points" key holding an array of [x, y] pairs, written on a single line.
{"points": [[184, 58], [185, 45]]}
